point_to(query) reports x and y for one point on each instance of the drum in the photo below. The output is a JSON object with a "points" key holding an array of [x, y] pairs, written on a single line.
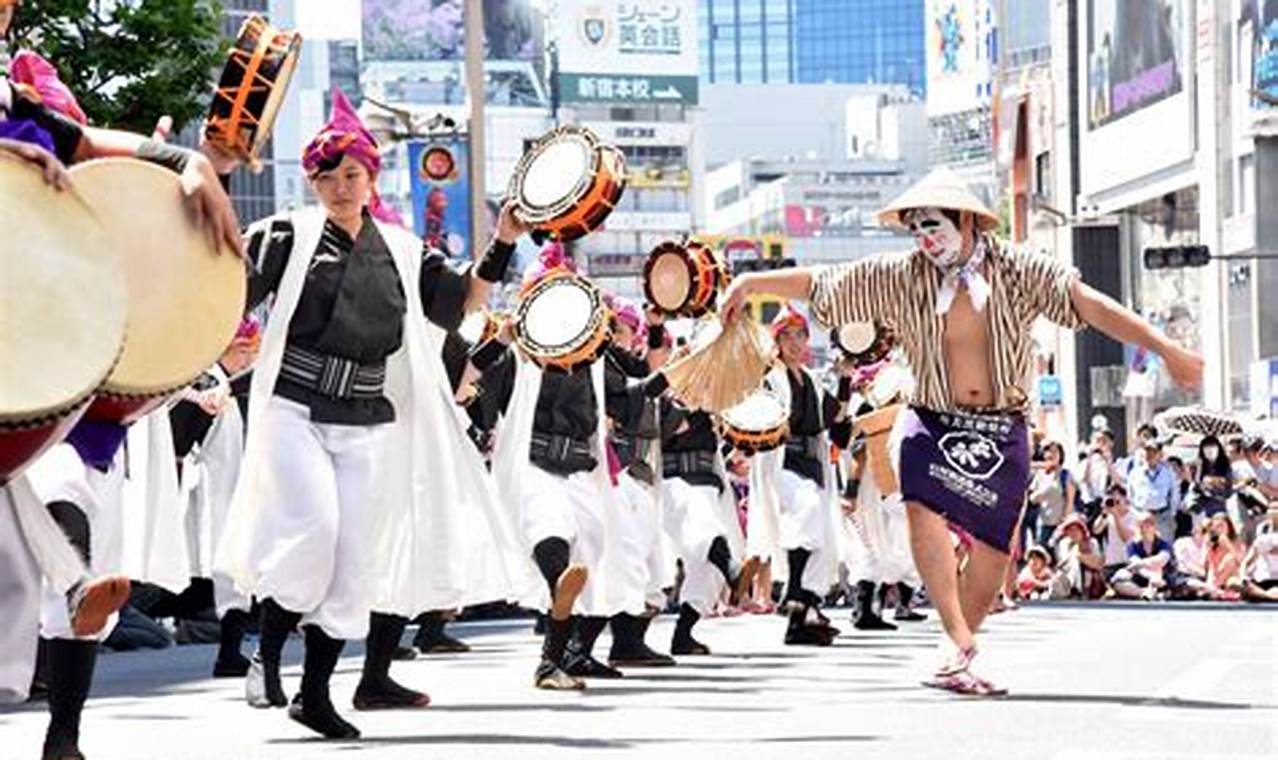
{"points": [[562, 323], [864, 343], [760, 423], [63, 303], [192, 296], [684, 279], [252, 88], [568, 183], [890, 385]]}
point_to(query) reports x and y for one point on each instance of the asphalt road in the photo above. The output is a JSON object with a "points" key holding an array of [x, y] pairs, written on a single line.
{"points": [[1097, 682]]}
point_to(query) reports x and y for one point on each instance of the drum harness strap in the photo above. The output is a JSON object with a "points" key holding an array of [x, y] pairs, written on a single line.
{"points": [[634, 452], [333, 376], [676, 464], [562, 454]]}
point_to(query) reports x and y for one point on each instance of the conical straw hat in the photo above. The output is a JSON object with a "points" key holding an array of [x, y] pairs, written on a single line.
{"points": [[941, 188]]}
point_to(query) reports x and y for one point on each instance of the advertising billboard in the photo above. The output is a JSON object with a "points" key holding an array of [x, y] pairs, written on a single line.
{"points": [[1258, 20], [1134, 72], [962, 47], [642, 51], [440, 183], [1135, 55], [434, 30]]}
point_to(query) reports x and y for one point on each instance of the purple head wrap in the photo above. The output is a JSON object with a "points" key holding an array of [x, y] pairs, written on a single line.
{"points": [[346, 135]]}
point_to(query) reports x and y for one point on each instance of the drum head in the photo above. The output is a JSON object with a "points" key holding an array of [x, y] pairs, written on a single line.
{"points": [[279, 90], [556, 172], [760, 411], [555, 317], [669, 279], [186, 299], [856, 337], [63, 297]]}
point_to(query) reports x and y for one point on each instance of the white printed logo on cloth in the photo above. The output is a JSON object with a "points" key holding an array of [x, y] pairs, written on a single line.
{"points": [[971, 453]]}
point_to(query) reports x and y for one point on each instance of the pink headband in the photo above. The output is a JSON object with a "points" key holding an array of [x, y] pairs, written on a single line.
{"points": [[28, 68]]}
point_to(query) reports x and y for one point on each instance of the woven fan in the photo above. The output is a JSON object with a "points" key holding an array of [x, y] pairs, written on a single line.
{"points": [[724, 366], [1198, 421]]}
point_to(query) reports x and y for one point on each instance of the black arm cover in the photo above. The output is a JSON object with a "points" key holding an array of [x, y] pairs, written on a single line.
{"points": [[171, 157], [656, 337], [492, 267]]}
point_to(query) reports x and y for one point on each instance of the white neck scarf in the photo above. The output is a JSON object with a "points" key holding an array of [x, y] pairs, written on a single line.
{"points": [[969, 275]]}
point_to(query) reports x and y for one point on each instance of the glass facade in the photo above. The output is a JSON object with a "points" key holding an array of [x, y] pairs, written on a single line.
{"points": [[819, 41]]}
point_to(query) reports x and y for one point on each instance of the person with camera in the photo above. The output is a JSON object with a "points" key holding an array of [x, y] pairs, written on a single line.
{"points": [[1097, 473], [1116, 525], [1224, 560], [1260, 566]]}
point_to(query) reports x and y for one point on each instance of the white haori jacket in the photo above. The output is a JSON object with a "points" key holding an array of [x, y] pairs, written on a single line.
{"points": [[764, 514], [606, 593], [441, 540], [209, 473]]}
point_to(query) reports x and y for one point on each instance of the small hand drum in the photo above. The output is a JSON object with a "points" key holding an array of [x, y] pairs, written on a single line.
{"points": [[63, 311], [186, 297], [562, 323], [684, 279], [252, 89], [864, 343], [760, 423], [568, 183]]}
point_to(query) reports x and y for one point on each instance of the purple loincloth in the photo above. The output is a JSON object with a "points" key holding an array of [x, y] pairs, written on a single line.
{"points": [[972, 469], [27, 131]]}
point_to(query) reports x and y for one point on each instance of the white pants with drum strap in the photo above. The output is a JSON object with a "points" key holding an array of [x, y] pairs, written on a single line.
{"points": [[312, 547], [692, 518]]}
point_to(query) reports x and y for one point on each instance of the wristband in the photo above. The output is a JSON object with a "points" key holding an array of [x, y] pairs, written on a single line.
{"points": [[487, 354], [492, 268], [656, 337], [171, 157], [656, 385]]}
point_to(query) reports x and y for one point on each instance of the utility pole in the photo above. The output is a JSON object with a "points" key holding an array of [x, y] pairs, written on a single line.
{"points": [[474, 21]]}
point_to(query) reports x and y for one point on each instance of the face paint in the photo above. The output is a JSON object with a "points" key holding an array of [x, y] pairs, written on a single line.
{"points": [[938, 238]]}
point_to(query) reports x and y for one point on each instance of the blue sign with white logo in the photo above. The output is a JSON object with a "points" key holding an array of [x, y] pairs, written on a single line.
{"points": [[1050, 391]]}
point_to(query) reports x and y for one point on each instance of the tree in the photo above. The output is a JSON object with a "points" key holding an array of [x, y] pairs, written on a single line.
{"points": [[129, 62]]}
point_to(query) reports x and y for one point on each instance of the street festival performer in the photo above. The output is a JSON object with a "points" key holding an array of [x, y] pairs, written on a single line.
{"points": [[964, 448]]}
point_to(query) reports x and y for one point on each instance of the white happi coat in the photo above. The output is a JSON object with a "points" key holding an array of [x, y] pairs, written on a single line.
{"points": [[441, 541], [775, 525]]}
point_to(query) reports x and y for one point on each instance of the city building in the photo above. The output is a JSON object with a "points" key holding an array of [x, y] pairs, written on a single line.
{"points": [[962, 50], [812, 41]]}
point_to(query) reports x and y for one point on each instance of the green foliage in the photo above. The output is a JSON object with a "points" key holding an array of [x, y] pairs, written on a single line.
{"points": [[129, 62]]}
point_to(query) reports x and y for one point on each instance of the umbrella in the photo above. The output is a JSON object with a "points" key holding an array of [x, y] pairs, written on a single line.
{"points": [[1198, 421]]}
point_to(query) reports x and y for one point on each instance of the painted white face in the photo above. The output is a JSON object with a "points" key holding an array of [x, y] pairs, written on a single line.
{"points": [[937, 236]]}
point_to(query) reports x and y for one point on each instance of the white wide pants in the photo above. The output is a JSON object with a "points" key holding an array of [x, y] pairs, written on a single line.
{"points": [[312, 548], [692, 518]]}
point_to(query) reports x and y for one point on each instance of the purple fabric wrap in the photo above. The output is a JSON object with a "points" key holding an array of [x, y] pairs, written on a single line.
{"points": [[27, 131], [97, 442], [972, 469]]}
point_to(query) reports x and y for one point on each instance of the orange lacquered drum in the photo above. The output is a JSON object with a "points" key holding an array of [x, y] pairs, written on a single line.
{"points": [[568, 183], [63, 304], [864, 343], [174, 274], [252, 87], [562, 322], [760, 423], [684, 279]]}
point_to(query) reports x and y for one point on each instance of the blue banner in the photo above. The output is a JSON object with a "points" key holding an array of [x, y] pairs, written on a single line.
{"points": [[441, 193]]}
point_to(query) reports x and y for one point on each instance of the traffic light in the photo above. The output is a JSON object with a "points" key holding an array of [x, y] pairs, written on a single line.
{"points": [[1177, 257]]}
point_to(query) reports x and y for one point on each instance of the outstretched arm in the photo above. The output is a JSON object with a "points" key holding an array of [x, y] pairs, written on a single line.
{"points": [[794, 284], [1124, 325]]}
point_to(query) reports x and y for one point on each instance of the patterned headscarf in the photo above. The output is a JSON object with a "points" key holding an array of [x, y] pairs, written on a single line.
{"points": [[787, 318], [346, 135], [37, 76], [629, 315], [552, 256], [249, 332]]}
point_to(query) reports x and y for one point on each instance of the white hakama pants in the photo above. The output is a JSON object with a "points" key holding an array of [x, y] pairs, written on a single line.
{"points": [[804, 521], [313, 544], [570, 508], [693, 519], [20, 600], [646, 567], [881, 538]]}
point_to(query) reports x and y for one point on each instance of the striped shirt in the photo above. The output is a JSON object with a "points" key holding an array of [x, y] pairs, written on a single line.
{"points": [[901, 290]]}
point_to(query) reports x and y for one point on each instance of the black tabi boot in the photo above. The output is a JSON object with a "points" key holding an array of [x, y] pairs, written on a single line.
{"points": [[549, 674], [431, 637], [807, 627], [579, 656], [904, 612], [231, 663], [682, 643], [864, 618], [263, 686], [312, 707], [39, 691], [377, 690], [629, 650], [70, 676]]}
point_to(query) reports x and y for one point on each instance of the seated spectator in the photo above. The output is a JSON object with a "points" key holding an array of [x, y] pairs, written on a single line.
{"points": [[1191, 554], [1078, 560], [1213, 480], [1037, 579], [1224, 559], [1260, 567], [1116, 526], [1150, 566], [1053, 491]]}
